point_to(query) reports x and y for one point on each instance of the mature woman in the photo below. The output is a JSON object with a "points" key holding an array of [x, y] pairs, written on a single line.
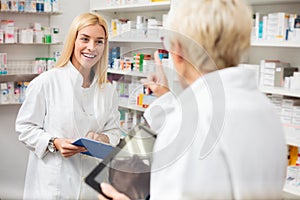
{"points": [[220, 138]]}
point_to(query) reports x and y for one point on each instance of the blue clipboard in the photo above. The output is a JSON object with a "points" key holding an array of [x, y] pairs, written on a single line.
{"points": [[95, 148]]}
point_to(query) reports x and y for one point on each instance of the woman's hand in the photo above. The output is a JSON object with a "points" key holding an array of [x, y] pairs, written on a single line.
{"points": [[66, 148], [158, 82], [111, 192], [98, 136]]}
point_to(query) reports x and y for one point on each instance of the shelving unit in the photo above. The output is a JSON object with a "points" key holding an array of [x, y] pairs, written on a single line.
{"points": [[289, 44], [130, 11], [292, 134], [155, 6], [21, 55], [128, 73], [30, 13], [17, 77], [126, 40], [10, 104], [291, 190], [281, 91], [260, 49], [131, 42], [22, 20], [30, 44], [270, 2], [132, 107], [286, 51]]}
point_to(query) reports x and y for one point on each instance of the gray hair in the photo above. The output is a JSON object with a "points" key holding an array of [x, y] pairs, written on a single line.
{"points": [[211, 30]]}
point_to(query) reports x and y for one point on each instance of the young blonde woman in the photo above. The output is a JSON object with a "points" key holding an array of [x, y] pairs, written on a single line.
{"points": [[70, 101], [220, 138]]}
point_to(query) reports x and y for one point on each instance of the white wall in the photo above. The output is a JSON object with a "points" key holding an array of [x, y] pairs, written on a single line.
{"points": [[13, 154]]}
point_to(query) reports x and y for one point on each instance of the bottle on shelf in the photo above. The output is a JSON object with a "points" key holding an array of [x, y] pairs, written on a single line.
{"points": [[47, 6], [21, 6], [47, 35], [39, 6], [55, 5]]}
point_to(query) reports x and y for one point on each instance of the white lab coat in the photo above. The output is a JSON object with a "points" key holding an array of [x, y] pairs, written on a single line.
{"points": [[219, 139], [57, 106]]}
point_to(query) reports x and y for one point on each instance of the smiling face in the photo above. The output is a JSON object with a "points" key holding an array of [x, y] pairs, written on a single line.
{"points": [[89, 46]]}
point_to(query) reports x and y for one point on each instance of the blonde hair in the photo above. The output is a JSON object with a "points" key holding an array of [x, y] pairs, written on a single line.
{"points": [[222, 28], [80, 22]]}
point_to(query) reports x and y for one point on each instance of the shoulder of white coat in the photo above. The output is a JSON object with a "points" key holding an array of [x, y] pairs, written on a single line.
{"points": [[47, 76]]}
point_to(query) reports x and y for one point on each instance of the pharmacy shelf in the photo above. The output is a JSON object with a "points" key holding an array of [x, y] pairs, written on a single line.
{"points": [[156, 6], [128, 73], [292, 134], [10, 104], [292, 190], [131, 107], [268, 2], [130, 40], [17, 77], [38, 44], [280, 91], [30, 13], [263, 43]]}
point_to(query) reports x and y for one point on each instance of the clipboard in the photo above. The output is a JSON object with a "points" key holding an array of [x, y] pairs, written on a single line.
{"points": [[94, 148]]}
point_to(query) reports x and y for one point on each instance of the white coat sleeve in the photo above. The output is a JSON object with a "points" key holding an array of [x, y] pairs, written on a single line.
{"points": [[156, 113], [30, 119], [113, 121]]}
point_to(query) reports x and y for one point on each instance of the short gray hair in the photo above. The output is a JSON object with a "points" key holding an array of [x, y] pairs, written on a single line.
{"points": [[222, 28]]}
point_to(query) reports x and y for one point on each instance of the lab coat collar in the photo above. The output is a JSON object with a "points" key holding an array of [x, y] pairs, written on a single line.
{"points": [[75, 75]]}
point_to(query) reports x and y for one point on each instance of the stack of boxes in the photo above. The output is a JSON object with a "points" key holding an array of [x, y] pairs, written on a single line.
{"points": [[10, 34], [7, 32], [290, 111], [288, 108], [279, 26], [143, 27], [30, 5], [138, 62], [273, 72]]}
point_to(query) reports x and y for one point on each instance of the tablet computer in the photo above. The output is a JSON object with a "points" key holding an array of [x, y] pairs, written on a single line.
{"points": [[128, 166]]}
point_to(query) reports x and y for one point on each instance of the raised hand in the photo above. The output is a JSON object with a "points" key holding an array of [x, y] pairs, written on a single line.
{"points": [[158, 82]]}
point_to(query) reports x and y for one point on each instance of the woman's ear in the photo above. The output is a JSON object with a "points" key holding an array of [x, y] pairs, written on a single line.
{"points": [[177, 53]]}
